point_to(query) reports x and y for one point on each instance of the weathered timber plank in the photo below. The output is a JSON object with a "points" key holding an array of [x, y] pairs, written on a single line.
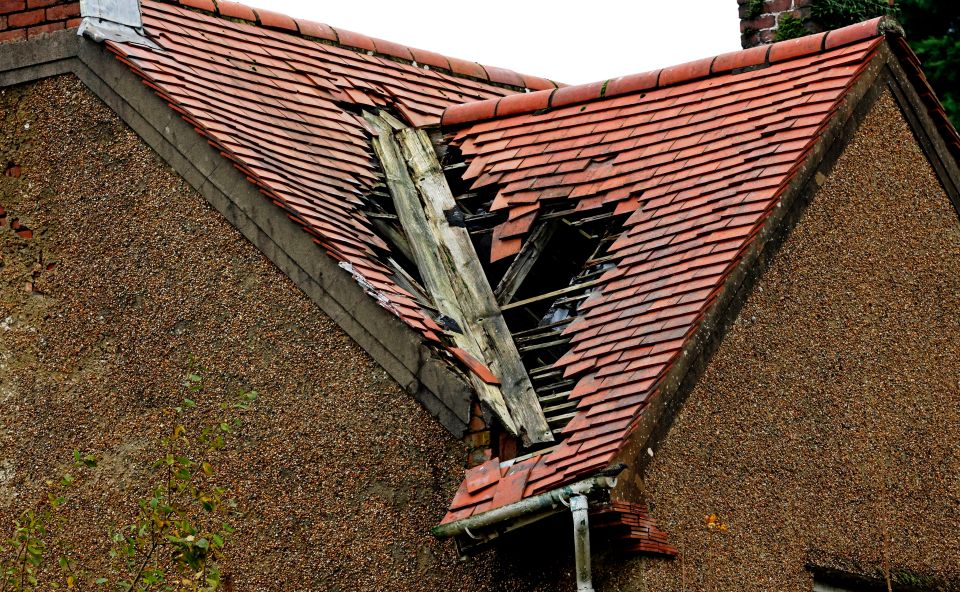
{"points": [[414, 222], [554, 294], [452, 273], [523, 263]]}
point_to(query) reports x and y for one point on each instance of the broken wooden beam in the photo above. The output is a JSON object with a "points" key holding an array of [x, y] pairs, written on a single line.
{"points": [[523, 262], [553, 294], [453, 275]]}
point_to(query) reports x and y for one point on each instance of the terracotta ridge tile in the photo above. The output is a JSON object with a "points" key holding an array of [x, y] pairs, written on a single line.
{"points": [[733, 62], [325, 33]]}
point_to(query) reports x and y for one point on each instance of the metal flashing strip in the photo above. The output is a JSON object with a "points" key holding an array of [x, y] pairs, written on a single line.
{"points": [[114, 20]]}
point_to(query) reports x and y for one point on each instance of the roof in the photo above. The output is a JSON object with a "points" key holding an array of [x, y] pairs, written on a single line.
{"points": [[279, 98], [690, 160], [696, 157]]}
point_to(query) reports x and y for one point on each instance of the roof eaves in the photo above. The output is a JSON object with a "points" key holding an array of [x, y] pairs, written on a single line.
{"points": [[323, 33], [754, 58]]}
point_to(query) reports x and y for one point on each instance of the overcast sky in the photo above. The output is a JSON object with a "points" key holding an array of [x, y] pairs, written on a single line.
{"points": [[572, 42]]}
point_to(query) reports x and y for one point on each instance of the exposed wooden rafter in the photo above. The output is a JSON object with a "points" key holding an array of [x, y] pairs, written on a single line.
{"points": [[451, 271], [523, 263]]}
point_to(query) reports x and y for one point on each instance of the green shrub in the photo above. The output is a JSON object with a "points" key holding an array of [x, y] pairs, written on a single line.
{"points": [[790, 27]]}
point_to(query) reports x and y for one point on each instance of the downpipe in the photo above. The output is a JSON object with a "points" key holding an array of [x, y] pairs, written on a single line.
{"points": [[581, 542]]}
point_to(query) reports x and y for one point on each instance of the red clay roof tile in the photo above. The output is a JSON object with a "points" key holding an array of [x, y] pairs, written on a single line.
{"points": [[269, 101], [853, 33], [310, 28], [275, 20], [236, 10], [523, 103], [736, 60], [794, 48], [703, 152]]}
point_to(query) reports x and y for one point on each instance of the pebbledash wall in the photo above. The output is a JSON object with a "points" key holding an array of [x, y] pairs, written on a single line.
{"points": [[114, 273], [23, 19], [825, 431]]}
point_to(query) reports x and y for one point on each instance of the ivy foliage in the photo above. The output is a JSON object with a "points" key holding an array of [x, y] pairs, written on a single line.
{"points": [[933, 31], [833, 14], [177, 536], [754, 8], [790, 27]]}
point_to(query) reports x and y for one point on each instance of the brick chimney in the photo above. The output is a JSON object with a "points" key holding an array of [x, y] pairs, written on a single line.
{"points": [[23, 19], [766, 21]]}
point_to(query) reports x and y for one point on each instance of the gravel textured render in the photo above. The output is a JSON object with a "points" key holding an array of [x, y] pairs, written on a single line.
{"points": [[826, 429], [128, 274], [826, 424]]}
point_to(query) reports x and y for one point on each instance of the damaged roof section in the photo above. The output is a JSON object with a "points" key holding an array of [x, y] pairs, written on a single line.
{"points": [[562, 246], [688, 163], [284, 101]]}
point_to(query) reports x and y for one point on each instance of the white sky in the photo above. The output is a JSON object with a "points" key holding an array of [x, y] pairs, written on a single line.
{"points": [[571, 42]]}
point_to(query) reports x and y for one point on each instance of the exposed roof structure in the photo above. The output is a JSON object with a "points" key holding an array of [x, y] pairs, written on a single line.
{"points": [[697, 158], [606, 220], [280, 101]]}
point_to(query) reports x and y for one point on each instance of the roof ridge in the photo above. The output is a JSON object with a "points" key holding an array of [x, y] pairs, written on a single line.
{"points": [[745, 59], [341, 37]]}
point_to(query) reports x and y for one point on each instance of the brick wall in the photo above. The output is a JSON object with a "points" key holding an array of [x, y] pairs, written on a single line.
{"points": [[759, 19], [22, 19]]}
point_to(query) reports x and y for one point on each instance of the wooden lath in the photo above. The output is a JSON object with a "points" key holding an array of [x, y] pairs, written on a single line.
{"points": [[445, 257]]}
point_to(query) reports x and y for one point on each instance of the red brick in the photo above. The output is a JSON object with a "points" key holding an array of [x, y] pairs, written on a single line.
{"points": [[766, 21], [3, 23], [794, 14], [74, 22], [8, 6], [64, 11], [477, 439], [476, 423], [15, 35], [45, 28], [777, 5], [26, 19], [42, 3]]}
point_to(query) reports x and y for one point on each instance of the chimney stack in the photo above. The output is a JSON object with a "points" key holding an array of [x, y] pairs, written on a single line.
{"points": [[24, 19], [767, 21]]}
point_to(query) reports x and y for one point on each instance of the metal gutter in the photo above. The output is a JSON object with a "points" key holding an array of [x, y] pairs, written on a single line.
{"points": [[543, 503]]}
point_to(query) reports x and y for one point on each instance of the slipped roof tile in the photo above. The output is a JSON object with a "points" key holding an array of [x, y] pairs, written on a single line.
{"points": [[703, 152], [270, 100]]}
